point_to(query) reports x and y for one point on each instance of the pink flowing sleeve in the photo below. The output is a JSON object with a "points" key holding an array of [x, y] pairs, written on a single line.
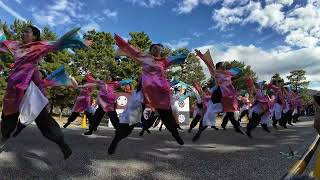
{"points": [[130, 50], [8, 46], [209, 64]]}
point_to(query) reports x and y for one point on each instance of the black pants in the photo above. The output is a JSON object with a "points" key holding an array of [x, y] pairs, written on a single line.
{"points": [[45, 122], [295, 117], [195, 121], [287, 118], [74, 116], [227, 117], [243, 113], [98, 115], [147, 123], [253, 121], [124, 130]]}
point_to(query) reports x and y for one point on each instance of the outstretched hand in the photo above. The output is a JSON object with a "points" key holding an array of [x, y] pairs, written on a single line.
{"points": [[197, 52]]}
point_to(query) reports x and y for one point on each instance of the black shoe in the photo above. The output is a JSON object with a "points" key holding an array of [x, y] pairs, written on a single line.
{"points": [[265, 128], [66, 151], [148, 131], [224, 128], [3, 142], [160, 129], [275, 126], [141, 133], [88, 133], [249, 134], [196, 137], [214, 127], [189, 130], [238, 130], [113, 146], [66, 125], [15, 134], [284, 126], [290, 124], [178, 139]]}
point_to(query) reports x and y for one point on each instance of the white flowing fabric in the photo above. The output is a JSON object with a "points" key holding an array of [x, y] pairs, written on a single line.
{"points": [[278, 111], [209, 118], [265, 119], [32, 104], [132, 114], [257, 108]]}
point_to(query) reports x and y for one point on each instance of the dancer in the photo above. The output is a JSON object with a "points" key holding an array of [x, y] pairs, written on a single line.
{"points": [[25, 75], [223, 92], [244, 110], [154, 86], [201, 107], [181, 91], [106, 102], [259, 112], [83, 101], [57, 78], [279, 103]]}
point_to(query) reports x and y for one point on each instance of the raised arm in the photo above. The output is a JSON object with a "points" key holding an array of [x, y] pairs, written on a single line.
{"points": [[208, 62], [128, 50]]}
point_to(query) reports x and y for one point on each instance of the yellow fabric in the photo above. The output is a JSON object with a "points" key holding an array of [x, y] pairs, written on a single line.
{"points": [[84, 122]]}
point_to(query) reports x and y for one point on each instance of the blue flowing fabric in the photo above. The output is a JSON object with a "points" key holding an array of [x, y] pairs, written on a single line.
{"points": [[125, 81], [260, 84], [60, 77], [178, 59], [2, 35], [72, 40], [189, 92], [235, 71]]}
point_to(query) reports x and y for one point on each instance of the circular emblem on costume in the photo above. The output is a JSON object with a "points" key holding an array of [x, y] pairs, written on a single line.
{"points": [[181, 118], [146, 114], [122, 101], [181, 104]]}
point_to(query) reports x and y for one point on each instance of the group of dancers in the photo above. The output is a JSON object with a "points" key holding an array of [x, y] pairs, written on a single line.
{"points": [[25, 100]]}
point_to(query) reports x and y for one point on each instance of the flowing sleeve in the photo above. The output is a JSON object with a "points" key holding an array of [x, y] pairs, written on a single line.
{"points": [[178, 59], [8, 46], [71, 39], [132, 51], [209, 63], [59, 78], [125, 82]]}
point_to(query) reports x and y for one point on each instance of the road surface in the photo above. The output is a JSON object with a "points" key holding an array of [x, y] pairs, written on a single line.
{"points": [[218, 155]]}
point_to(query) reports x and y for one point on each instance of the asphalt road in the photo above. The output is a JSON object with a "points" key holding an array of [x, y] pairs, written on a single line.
{"points": [[217, 155]]}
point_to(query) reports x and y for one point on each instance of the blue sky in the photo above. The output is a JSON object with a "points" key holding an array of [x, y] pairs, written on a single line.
{"points": [[270, 35]]}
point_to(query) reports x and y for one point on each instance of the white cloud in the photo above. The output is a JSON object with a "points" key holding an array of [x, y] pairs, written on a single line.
{"points": [[61, 12], [70, 13], [147, 3], [283, 2], [178, 44], [110, 14], [186, 6], [18, 1], [91, 26], [280, 60], [11, 11], [197, 34], [300, 25]]}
